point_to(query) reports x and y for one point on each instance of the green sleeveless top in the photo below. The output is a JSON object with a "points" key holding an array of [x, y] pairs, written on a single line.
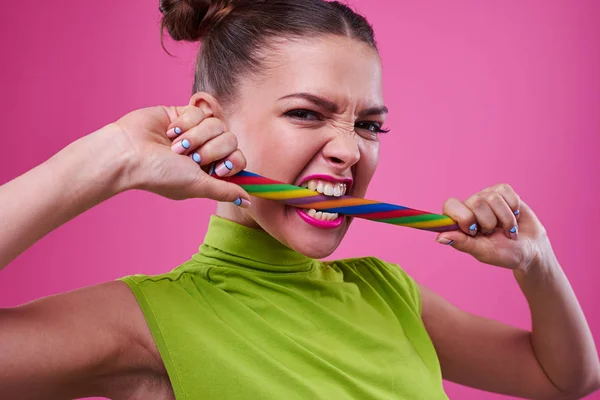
{"points": [[249, 318]]}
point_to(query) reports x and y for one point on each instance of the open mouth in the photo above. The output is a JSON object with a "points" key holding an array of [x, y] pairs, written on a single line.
{"points": [[326, 187]]}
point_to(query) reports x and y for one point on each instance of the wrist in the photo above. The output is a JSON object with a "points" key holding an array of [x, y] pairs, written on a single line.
{"points": [[542, 268], [113, 159], [95, 166]]}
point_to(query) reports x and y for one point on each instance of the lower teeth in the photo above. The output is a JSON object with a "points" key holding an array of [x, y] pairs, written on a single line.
{"points": [[323, 216]]}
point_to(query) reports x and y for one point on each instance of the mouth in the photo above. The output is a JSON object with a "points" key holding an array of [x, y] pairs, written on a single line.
{"points": [[327, 186]]}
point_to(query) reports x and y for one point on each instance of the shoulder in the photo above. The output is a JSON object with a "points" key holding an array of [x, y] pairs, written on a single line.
{"points": [[82, 339], [176, 279], [388, 276], [372, 265]]}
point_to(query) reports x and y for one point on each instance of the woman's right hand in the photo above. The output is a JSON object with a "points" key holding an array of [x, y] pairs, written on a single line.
{"points": [[172, 148], [135, 152]]}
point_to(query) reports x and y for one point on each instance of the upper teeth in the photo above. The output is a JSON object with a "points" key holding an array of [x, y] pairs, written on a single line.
{"points": [[326, 188]]}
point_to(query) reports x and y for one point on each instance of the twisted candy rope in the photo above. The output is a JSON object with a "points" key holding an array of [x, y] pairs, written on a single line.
{"points": [[296, 196]]}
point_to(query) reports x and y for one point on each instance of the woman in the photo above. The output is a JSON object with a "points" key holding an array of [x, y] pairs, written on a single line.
{"points": [[254, 314]]}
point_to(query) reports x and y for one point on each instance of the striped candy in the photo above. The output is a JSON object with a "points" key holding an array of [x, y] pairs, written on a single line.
{"points": [[265, 188]]}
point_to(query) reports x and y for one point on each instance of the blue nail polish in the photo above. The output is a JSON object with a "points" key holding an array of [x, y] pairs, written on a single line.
{"points": [[177, 130], [185, 143], [451, 243], [473, 227], [517, 212], [228, 165], [196, 157], [513, 229], [238, 201]]}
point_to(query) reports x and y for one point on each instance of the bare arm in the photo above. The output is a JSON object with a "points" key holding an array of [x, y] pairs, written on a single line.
{"points": [[89, 342], [95, 341], [133, 153], [79, 177], [81, 343], [561, 338], [557, 360]]}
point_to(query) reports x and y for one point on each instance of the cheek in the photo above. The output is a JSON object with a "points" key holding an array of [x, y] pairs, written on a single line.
{"points": [[366, 167], [259, 142], [273, 147], [279, 150], [371, 156]]}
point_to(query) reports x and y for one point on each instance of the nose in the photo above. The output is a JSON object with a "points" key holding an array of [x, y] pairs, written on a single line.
{"points": [[342, 151]]}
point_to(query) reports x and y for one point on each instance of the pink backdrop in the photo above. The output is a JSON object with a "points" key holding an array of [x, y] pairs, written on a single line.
{"points": [[480, 93]]}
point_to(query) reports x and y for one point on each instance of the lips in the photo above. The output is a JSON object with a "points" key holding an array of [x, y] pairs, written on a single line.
{"points": [[319, 223], [327, 186]]}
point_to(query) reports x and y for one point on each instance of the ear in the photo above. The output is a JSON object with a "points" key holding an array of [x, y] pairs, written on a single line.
{"points": [[207, 103]]}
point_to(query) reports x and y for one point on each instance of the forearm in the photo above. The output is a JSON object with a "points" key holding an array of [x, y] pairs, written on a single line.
{"points": [[77, 178], [561, 338]]}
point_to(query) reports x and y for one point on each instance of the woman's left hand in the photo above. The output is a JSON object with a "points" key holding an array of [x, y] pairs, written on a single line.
{"points": [[497, 228]]}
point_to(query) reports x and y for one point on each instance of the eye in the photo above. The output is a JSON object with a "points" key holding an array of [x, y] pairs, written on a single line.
{"points": [[374, 127], [304, 115]]}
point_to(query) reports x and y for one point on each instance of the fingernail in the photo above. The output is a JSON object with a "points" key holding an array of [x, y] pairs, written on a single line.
{"points": [[174, 132], [224, 168], [242, 202], [445, 241], [489, 233], [196, 157], [514, 233], [473, 230], [181, 147], [517, 213]]}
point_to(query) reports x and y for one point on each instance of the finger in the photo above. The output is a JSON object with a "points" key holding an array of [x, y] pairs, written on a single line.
{"points": [[503, 212], [478, 246], [196, 157], [231, 165], [511, 197], [222, 191], [190, 117], [485, 217], [218, 149], [463, 216], [174, 112], [182, 146], [198, 135], [527, 217], [462, 242]]}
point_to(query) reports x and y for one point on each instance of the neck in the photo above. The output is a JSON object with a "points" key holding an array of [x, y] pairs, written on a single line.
{"points": [[230, 244], [236, 214]]}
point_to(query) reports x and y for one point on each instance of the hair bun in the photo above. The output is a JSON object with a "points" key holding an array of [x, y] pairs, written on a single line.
{"points": [[191, 20]]}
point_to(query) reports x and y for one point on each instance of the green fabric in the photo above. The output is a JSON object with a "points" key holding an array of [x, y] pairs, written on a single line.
{"points": [[248, 318]]}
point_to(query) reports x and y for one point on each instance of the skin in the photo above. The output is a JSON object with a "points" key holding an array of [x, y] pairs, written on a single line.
{"points": [[64, 346], [324, 141]]}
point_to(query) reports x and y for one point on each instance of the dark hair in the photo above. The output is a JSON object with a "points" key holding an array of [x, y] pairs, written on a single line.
{"points": [[233, 33]]}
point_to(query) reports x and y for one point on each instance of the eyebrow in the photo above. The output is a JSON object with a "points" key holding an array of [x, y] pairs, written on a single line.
{"points": [[373, 111], [333, 107]]}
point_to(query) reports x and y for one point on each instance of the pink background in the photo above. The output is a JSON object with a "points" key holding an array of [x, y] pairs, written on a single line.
{"points": [[479, 92]]}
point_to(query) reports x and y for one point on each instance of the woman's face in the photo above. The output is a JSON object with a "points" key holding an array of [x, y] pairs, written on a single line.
{"points": [[311, 119]]}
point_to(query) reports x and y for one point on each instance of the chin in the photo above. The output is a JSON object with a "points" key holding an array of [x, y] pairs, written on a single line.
{"points": [[316, 254], [312, 248], [294, 229]]}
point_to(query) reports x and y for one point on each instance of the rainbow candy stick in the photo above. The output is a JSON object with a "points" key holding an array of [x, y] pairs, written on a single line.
{"points": [[296, 196]]}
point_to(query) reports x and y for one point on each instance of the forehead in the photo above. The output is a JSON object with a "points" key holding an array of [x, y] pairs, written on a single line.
{"points": [[343, 69]]}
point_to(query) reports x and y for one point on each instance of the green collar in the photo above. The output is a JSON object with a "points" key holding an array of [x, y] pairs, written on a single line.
{"points": [[228, 243]]}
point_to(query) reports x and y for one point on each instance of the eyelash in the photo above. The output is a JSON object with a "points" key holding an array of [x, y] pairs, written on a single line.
{"points": [[375, 127]]}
